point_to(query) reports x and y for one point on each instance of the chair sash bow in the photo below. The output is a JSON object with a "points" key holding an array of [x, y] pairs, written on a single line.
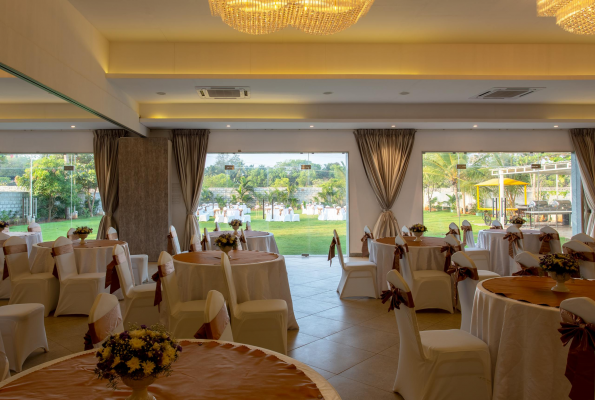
{"points": [[456, 233], [580, 255], [545, 239], [162, 271], [194, 247], [214, 329], [331, 251], [580, 364], [494, 227], [397, 297], [399, 254], [170, 242], [365, 251], [528, 271], [513, 241], [449, 251], [459, 274], [112, 236], [242, 238], [203, 243], [111, 272], [34, 229], [58, 251], [466, 229], [14, 249], [101, 328]]}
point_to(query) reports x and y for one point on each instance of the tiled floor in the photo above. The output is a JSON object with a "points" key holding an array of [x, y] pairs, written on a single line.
{"points": [[354, 343]]}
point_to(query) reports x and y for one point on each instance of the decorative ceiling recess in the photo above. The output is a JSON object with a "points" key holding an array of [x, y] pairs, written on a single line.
{"points": [[317, 17], [575, 16]]}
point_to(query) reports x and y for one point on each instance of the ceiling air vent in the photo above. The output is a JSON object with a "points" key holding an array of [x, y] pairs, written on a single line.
{"points": [[222, 92], [506, 93]]}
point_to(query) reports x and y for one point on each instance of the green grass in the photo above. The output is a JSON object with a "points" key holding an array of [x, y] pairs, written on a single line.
{"points": [[293, 238], [53, 230], [437, 222]]}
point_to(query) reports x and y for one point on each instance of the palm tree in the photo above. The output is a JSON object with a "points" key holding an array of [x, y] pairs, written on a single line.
{"points": [[444, 165], [243, 188]]}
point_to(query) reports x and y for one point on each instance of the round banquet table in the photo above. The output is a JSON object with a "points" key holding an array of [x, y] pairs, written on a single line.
{"points": [[257, 240], [500, 262], [424, 255], [257, 276], [206, 369], [32, 238], [93, 256], [518, 318]]}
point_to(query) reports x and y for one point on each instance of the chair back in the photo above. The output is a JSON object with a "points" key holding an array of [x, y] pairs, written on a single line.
{"points": [[17, 257], [339, 251], [248, 227], [367, 230], [174, 243], [169, 281], [521, 242], [497, 224], [4, 365], [64, 258], [468, 234], [466, 288], [584, 307], [410, 347], [105, 318], [583, 237], [217, 226], [452, 240], [195, 243], [206, 235], [453, 226], [112, 234], [527, 259], [233, 297], [405, 263], [405, 231], [217, 317], [3, 238], [71, 235], [34, 227], [555, 246], [124, 270], [587, 268], [243, 242]]}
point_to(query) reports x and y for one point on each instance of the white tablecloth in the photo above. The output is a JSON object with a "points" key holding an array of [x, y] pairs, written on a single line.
{"points": [[89, 260], [500, 262], [258, 281], [528, 359], [31, 238], [422, 258], [265, 242]]}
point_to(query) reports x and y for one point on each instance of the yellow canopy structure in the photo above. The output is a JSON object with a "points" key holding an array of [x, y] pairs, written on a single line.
{"points": [[500, 182]]}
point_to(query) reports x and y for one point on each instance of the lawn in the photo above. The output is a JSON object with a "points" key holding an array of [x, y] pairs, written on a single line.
{"points": [[307, 236], [437, 222]]}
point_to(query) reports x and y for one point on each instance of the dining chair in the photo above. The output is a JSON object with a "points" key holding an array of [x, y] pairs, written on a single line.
{"points": [[71, 235], [173, 241], [405, 231], [5, 283], [587, 268], [139, 262], [441, 364], [217, 324], [206, 235], [520, 243], [528, 260], [555, 245], [480, 256], [497, 224], [4, 364], [583, 237], [105, 306], [358, 278], [195, 243]]}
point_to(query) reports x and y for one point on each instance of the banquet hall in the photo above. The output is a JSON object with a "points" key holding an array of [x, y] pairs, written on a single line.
{"points": [[347, 199]]}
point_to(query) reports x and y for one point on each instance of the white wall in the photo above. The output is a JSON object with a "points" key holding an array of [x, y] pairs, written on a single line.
{"points": [[364, 208], [72, 141]]}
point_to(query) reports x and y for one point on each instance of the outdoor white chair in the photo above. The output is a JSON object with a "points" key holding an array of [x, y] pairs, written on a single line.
{"points": [[246, 218], [481, 257], [438, 365], [105, 319], [26, 287], [23, 331], [405, 231], [587, 268], [261, 323], [4, 284], [467, 286], [287, 218], [139, 262], [555, 245], [295, 218], [4, 364], [195, 243], [520, 243], [173, 243], [358, 278], [430, 288], [583, 237], [528, 260], [77, 291], [138, 300], [182, 316], [497, 224], [217, 322]]}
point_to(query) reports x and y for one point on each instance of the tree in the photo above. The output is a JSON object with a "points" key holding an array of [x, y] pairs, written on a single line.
{"points": [[444, 165], [86, 178], [244, 188]]}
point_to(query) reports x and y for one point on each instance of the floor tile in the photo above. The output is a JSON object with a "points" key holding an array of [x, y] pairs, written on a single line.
{"points": [[349, 389], [321, 327], [365, 338], [297, 339], [379, 371], [346, 313], [330, 356], [385, 322], [309, 305]]}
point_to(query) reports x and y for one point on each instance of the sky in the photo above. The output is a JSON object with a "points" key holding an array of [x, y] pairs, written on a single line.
{"points": [[270, 159]]}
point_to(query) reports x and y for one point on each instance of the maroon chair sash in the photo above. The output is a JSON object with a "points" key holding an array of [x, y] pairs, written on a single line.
{"points": [[331, 251], [14, 249], [111, 273], [170, 242], [58, 251], [580, 364], [103, 327], [397, 297], [34, 229], [162, 271], [459, 274], [580, 255], [513, 241], [365, 250], [112, 236], [398, 255], [456, 233], [545, 239], [214, 329], [203, 243], [528, 271], [449, 251]]}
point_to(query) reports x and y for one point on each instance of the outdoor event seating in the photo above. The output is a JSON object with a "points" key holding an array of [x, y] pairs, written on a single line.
{"points": [[358, 278], [42, 288]]}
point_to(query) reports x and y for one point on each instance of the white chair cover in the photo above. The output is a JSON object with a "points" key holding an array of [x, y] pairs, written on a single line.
{"points": [[217, 324], [587, 268], [77, 291], [105, 319], [358, 278], [206, 241], [555, 245], [4, 284], [138, 262], [195, 243], [4, 365], [173, 242], [583, 237], [497, 224], [261, 323], [481, 257]]}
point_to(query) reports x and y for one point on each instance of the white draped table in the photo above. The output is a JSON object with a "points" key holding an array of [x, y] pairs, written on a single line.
{"points": [[257, 240], [32, 238], [500, 262], [528, 358], [257, 276], [424, 255]]}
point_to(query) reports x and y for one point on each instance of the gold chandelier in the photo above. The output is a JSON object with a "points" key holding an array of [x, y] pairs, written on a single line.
{"points": [[318, 17], [575, 16]]}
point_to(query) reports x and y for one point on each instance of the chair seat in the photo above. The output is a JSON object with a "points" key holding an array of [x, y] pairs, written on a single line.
{"points": [[42, 276], [90, 276], [263, 306], [450, 341], [146, 290], [17, 311], [359, 265]]}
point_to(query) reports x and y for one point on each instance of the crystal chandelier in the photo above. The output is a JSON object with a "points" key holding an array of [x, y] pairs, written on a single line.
{"points": [[318, 17], [575, 16]]}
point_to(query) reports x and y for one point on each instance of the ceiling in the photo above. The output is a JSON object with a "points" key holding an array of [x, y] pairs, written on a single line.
{"points": [[15, 90], [391, 21]]}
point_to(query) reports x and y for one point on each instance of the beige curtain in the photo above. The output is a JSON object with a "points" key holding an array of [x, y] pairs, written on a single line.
{"points": [[583, 141], [190, 152], [385, 154], [105, 152]]}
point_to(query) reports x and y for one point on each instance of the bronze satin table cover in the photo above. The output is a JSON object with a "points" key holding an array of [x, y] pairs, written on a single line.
{"points": [[216, 234], [426, 241], [537, 290], [205, 370], [213, 257], [89, 244]]}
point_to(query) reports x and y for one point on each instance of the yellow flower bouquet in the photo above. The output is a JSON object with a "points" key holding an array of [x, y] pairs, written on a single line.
{"points": [[83, 230]]}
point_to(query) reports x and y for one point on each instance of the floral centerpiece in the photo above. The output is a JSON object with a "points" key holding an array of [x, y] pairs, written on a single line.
{"points": [[227, 242], [137, 357], [559, 267], [418, 231], [82, 232], [4, 225], [235, 224], [517, 221]]}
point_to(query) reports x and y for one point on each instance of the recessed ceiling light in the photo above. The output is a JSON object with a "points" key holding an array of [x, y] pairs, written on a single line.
{"points": [[72, 126], [392, 126], [229, 126], [475, 126], [404, 93], [161, 93], [555, 126], [328, 93], [311, 126]]}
